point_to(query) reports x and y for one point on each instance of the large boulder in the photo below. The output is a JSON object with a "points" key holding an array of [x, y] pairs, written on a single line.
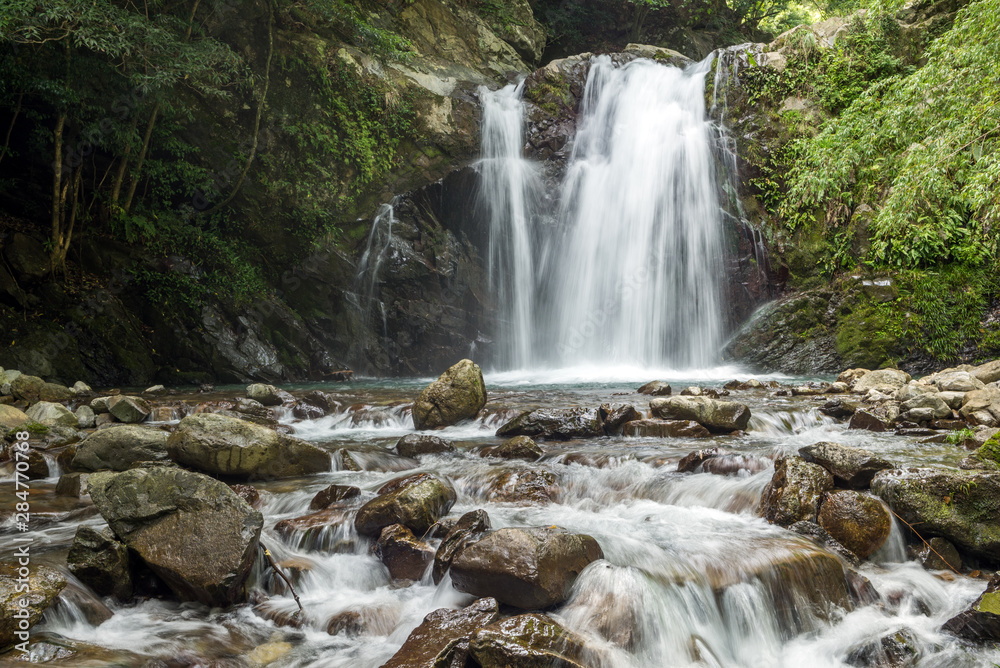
{"points": [[713, 414], [415, 501], [982, 407], [656, 388], [119, 447], [413, 445], [857, 520], [129, 409], [987, 373], [458, 394], [533, 640], [851, 467], [26, 387], [614, 417], [406, 556], [962, 506], [665, 429], [12, 418], [191, 530], [267, 395], [523, 486], [956, 381], [442, 639], [48, 413], [101, 562], [44, 584], [55, 392], [886, 381], [528, 568], [333, 494], [863, 419], [469, 528], [558, 424], [794, 492], [939, 409], [224, 445], [980, 622]]}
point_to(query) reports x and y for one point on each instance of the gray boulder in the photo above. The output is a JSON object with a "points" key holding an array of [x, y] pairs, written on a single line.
{"points": [[713, 414], [101, 562], [415, 501], [852, 467], [558, 424], [48, 413], [129, 409], [458, 394], [120, 447], [886, 381], [794, 492], [442, 639], [267, 395]]}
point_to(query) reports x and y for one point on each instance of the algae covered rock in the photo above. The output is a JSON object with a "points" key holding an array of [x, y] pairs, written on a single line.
{"points": [[532, 640], [981, 621], [415, 501], [458, 394], [858, 521], [225, 445], [119, 447], [852, 467], [44, 584], [442, 639], [794, 492]]}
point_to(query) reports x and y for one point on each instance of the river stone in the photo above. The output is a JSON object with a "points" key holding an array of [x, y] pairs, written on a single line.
{"points": [[893, 650], [839, 408], [129, 409], [224, 445], [458, 394], [442, 639], [81, 389], [44, 584], [85, 417], [665, 429], [822, 537], [981, 621], [939, 554], [267, 395], [101, 562], [519, 447], [863, 419], [715, 415], [55, 392], [982, 407], [528, 568], [558, 424], [523, 486], [936, 404], [38, 466], [72, 484], [614, 417], [403, 554], [333, 494], [850, 376], [886, 381], [120, 447], [962, 506], [533, 640], [858, 521], [956, 381], [656, 388], [26, 387], [469, 528], [794, 492], [913, 389], [412, 445], [852, 467], [691, 462], [415, 501], [12, 418], [100, 404], [987, 373], [193, 531], [48, 413]]}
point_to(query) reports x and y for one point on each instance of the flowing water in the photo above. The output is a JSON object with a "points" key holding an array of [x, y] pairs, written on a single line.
{"points": [[691, 577]]}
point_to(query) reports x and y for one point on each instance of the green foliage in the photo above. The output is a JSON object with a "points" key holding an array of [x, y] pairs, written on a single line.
{"points": [[358, 29], [35, 428], [960, 436], [922, 146]]}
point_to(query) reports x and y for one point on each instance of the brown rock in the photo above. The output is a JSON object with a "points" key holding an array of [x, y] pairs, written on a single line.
{"points": [[333, 494], [469, 528], [615, 416], [794, 492], [863, 419], [523, 486], [665, 429], [406, 557], [858, 521], [519, 447], [442, 639], [413, 445], [527, 641], [415, 501]]}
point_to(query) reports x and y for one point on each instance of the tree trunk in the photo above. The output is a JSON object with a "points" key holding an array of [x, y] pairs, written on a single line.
{"points": [[127, 206]]}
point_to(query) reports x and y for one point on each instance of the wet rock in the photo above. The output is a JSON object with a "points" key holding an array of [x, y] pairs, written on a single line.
{"points": [[413, 445], [12, 418], [72, 484], [308, 530], [101, 562], [327, 403], [119, 447], [666, 429], [458, 394], [692, 461], [48, 413], [442, 639], [85, 417], [558, 424], [886, 381], [519, 447], [469, 528], [794, 492], [345, 461], [980, 622], [348, 622], [415, 501], [851, 467], [523, 486], [615, 416], [129, 409], [304, 411], [38, 467], [99, 404], [858, 521], [822, 537], [962, 506], [715, 415], [735, 464], [403, 554], [224, 445], [44, 584], [839, 408], [194, 532], [863, 419], [333, 494], [528, 568], [249, 494], [26, 387], [657, 388], [939, 554], [533, 640], [267, 395], [894, 650]]}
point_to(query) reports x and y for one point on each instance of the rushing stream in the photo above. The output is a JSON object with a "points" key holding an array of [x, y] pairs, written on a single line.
{"points": [[690, 577]]}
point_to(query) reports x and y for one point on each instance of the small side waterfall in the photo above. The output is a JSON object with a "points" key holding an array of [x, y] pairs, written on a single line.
{"points": [[366, 280], [637, 277], [508, 188]]}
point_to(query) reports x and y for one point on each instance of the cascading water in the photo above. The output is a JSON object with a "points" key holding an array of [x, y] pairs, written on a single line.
{"points": [[638, 278], [508, 187]]}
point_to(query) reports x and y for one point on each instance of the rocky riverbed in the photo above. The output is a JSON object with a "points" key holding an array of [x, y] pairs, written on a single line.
{"points": [[712, 519]]}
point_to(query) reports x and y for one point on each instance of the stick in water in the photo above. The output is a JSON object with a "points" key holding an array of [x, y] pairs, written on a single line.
{"points": [[277, 569]]}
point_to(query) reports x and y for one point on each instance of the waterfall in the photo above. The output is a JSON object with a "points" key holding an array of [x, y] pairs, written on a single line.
{"points": [[377, 251], [508, 188]]}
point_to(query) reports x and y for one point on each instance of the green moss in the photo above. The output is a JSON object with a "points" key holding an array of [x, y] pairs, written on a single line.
{"points": [[35, 428], [990, 603], [551, 94], [989, 452]]}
